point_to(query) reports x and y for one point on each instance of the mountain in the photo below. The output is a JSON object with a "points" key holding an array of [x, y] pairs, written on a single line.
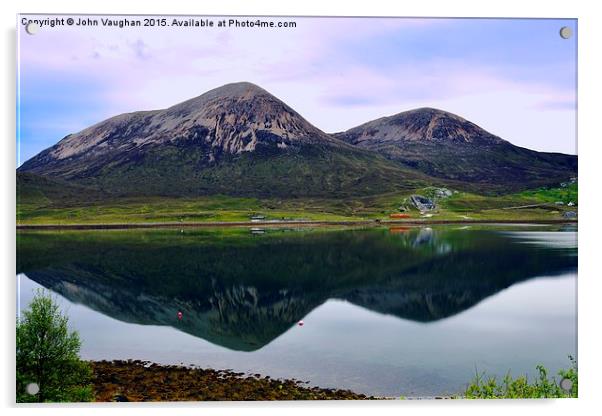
{"points": [[236, 139], [448, 147], [239, 139]]}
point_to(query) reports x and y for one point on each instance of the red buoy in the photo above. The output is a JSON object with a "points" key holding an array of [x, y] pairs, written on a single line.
{"points": [[300, 323]]}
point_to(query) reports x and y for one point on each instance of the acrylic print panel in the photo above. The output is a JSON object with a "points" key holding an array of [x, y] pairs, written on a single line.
{"points": [[295, 208]]}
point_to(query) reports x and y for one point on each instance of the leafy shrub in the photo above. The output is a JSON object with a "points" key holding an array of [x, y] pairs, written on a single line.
{"points": [[520, 388], [48, 355]]}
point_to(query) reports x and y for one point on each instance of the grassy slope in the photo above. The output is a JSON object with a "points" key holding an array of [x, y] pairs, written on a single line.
{"points": [[177, 170], [41, 203]]}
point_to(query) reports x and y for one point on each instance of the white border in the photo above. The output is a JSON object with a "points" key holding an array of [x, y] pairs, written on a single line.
{"points": [[590, 152]]}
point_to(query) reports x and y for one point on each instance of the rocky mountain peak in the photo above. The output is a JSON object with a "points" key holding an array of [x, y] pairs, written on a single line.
{"points": [[240, 116], [230, 119], [241, 89], [226, 94], [421, 125]]}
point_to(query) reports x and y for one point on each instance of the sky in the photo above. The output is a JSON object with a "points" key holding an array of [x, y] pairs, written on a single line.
{"points": [[515, 78]]}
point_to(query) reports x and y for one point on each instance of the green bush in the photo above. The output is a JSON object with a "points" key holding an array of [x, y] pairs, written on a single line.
{"points": [[520, 388], [48, 355]]}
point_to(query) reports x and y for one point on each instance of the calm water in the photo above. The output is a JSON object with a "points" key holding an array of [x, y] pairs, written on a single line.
{"points": [[401, 311]]}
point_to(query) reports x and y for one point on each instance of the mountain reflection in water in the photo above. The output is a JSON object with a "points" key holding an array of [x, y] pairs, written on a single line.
{"points": [[241, 290]]}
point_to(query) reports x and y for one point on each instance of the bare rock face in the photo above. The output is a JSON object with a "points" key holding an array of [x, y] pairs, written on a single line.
{"points": [[446, 146], [231, 119], [238, 118], [442, 193], [420, 125]]}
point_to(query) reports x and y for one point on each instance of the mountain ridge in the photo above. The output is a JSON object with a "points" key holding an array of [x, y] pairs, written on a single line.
{"points": [[239, 139], [145, 127], [446, 146]]}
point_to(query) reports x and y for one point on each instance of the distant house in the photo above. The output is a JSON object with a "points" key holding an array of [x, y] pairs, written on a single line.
{"points": [[257, 217], [399, 215]]}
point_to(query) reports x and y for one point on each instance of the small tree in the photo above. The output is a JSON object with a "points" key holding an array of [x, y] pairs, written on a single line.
{"points": [[48, 355]]}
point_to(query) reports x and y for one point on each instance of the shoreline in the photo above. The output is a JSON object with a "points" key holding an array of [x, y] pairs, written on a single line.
{"points": [[142, 381], [276, 224]]}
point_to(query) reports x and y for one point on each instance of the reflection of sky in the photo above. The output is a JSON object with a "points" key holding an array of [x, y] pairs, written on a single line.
{"points": [[343, 345], [515, 78], [552, 239]]}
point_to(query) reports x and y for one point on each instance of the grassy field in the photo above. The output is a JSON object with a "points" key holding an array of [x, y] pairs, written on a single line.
{"points": [[539, 204]]}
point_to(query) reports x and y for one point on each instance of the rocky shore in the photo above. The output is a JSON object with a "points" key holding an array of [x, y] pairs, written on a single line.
{"points": [[138, 381]]}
